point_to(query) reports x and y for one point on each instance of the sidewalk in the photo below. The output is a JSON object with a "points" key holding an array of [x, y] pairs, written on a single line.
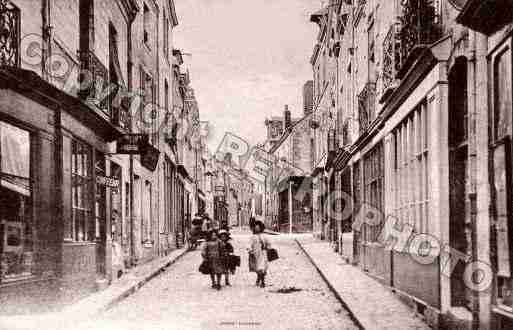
{"points": [[92, 305], [373, 305]]}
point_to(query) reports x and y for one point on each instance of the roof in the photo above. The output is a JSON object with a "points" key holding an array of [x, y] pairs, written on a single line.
{"points": [[316, 17], [173, 13]]}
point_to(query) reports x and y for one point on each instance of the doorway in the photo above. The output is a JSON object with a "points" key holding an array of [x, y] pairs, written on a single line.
{"points": [[460, 230]]}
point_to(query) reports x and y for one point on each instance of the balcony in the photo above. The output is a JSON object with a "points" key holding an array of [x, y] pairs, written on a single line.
{"points": [[367, 106], [121, 114], [9, 34], [92, 69], [391, 59], [420, 27]]}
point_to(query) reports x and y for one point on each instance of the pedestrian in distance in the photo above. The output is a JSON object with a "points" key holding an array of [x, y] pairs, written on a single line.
{"points": [[258, 254], [252, 221], [227, 254], [212, 255]]}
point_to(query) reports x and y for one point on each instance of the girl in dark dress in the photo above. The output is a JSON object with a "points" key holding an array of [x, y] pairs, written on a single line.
{"points": [[227, 251], [212, 253]]}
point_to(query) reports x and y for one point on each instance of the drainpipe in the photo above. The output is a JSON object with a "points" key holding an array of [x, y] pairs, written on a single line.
{"points": [[482, 223], [157, 134], [131, 157], [47, 39]]}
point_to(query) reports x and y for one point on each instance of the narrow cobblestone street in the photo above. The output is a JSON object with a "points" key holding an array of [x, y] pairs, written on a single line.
{"points": [[181, 298]]}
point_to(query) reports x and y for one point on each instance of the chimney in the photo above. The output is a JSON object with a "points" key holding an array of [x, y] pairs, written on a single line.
{"points": [[286, 116], [307, 97]]}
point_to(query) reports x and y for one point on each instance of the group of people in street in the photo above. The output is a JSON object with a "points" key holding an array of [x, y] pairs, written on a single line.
{"points": [[217, 253]]}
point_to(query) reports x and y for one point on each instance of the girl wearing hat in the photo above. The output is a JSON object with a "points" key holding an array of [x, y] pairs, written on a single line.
{"points": [[227, 250], [259, 244]]}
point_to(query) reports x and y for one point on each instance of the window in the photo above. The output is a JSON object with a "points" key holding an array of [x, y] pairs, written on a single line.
{"points": [[168, 196], [146, 26], [16, 222], [410, 170], [9, 44], [127, 218], [81, 226], [371, 52], [357, 198], [502, 94], [149, 113], [166, 96], [116, 196], [373, 188], [99, 200], [147, 202], [165, 29]]}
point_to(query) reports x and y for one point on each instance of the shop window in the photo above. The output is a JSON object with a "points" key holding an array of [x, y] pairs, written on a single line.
{"points": [[373, 187], [99, 201], [128, 215], [116, 205], [410, 170], [16, 222], [501, 173], [80, 227]]}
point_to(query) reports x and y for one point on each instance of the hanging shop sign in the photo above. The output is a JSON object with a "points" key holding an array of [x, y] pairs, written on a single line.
{"points": [[150, 157], [108, 181], [132, 144]]}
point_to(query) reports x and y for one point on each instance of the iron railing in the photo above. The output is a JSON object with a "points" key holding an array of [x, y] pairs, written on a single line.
{"points": [[420, 25], [9, 34], [95, 77], [391, 56], [366, 106]]}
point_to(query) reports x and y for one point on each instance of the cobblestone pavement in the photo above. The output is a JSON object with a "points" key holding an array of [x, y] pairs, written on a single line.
{"points": [[181, 298]]}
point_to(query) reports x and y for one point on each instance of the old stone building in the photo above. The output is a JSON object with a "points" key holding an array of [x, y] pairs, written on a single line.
{"points": [[93, 178], [420, 150], [286, 181]]}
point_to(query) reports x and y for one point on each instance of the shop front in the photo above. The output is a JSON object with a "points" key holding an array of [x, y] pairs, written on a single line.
{"points": [[54, 217]]}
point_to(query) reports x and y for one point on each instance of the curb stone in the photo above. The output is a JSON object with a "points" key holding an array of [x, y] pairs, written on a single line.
{"points": [[332, 289]]}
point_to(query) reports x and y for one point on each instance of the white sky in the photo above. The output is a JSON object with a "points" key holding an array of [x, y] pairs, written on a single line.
{"points": [[249, 59]]}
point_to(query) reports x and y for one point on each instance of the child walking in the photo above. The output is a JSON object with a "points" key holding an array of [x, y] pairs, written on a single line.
{"points": [[212, 254], [227, 251]]}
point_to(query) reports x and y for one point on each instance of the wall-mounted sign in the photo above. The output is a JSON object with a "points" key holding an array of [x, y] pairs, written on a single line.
{"points": [[132, 144], [107, 181]]}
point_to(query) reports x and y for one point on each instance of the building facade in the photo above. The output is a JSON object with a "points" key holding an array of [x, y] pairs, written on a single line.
{"points": [[421, 103], [85, 84], [287, 181]]}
